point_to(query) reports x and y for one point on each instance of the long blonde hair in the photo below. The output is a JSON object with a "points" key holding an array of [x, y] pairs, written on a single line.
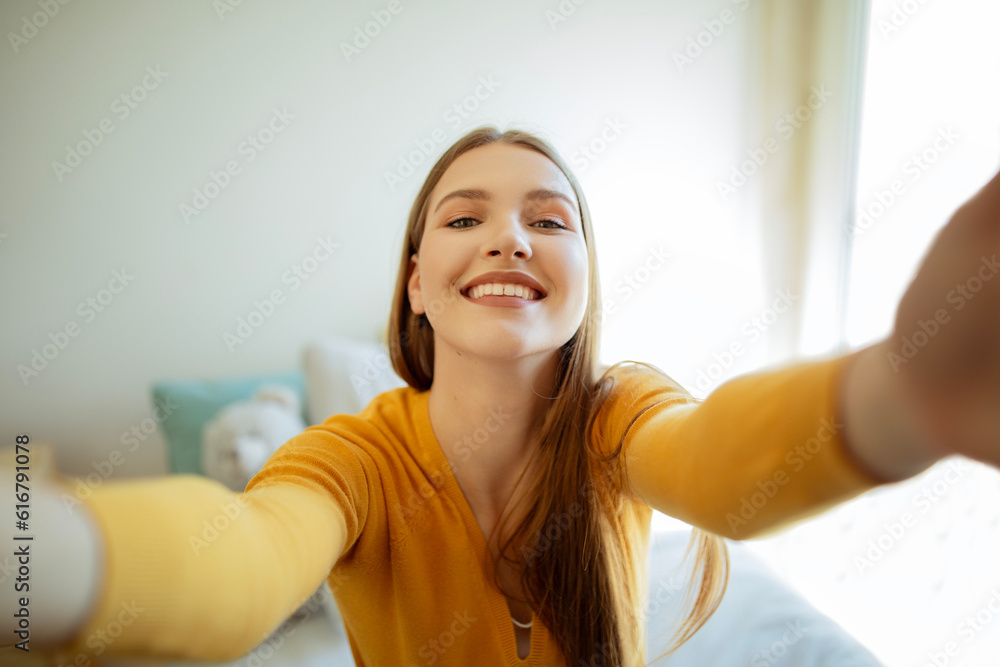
{"points": [[588, 585]]}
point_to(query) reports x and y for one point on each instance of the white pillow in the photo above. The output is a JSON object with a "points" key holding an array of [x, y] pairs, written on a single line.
{"points": [[760, 622], [344, 374]]}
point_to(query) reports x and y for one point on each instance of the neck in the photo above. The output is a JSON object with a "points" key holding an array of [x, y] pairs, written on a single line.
{"points": [[486, 415]]}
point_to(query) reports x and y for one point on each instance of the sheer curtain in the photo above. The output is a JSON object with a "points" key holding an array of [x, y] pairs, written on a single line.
{"points": [[805, 65]]}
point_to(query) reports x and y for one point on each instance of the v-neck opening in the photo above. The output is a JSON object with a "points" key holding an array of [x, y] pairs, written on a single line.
{"points": [[498, 602]]}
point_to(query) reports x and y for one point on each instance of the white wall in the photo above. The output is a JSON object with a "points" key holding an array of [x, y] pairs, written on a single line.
{"points": [[323, 175]]}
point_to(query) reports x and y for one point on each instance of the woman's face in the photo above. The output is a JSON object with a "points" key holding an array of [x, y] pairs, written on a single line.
{"points": [[510, 209]]}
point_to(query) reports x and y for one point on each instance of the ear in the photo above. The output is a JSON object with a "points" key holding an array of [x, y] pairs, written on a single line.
{"points": [[413, 287]]}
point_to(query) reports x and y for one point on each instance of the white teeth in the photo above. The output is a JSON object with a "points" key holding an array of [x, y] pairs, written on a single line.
{"points": [[508, 289]]}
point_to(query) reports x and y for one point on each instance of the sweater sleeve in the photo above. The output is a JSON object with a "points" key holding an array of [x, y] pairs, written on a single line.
{"points": [[196, 571], [762, 451]]}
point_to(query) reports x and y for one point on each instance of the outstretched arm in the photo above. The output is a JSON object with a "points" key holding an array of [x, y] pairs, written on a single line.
{"points": [[192, 570], [183, 567], [772, 447], [761, 451]]}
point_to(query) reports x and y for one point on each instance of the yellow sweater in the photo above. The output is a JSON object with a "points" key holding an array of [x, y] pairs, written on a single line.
{"points": [[196, 571]]}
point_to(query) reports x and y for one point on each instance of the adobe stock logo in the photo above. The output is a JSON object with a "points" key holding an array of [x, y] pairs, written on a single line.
{"points": [[228, 513], [122, 106], [562, 12], [372, 29], [797, 458], [223, 7], [899, 17], [753, 329], [773, 653], [426, 147], [265, 308], [786, 126], [586, 154], [927, 499], [249, 148], [634, 280], [915, 167], [701, 42], [38, 21], [925, 330], [107, 467], [88, 309]]}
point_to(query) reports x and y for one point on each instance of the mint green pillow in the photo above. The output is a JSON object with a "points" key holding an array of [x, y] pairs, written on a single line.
{"points": [[197, 401]]}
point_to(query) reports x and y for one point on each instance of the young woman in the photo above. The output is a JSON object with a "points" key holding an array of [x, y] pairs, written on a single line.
{"points": [[495, 511]]}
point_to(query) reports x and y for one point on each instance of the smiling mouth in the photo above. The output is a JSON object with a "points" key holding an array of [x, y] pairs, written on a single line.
{"points": [[500, 291]]}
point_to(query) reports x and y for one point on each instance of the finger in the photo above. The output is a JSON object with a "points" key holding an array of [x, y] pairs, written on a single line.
{"points": [[983, 208]]}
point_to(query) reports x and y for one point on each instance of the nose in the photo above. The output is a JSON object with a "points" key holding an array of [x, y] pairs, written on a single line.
{"points": [[510, 240]]}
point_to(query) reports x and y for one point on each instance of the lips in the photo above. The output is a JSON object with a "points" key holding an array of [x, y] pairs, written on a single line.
{"points": [[505, 278]]}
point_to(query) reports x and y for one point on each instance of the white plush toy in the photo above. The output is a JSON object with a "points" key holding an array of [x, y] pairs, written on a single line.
{"points": [[237, 442]]}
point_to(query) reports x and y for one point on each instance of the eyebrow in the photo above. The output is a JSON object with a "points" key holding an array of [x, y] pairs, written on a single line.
{"points": [[480, 194]]}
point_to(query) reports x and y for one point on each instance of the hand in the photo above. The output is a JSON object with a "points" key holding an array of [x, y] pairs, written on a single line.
{"points": [[63, 562], [945, 346]]}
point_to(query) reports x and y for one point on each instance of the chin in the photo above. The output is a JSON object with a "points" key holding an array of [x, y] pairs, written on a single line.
{"points": [[501, 348]]}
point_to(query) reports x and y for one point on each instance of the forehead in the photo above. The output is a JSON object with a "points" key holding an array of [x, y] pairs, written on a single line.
{"points": [[502, 169]]}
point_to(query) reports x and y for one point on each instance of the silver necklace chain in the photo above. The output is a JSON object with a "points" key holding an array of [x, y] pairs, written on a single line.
{"points": [[520, 624]]}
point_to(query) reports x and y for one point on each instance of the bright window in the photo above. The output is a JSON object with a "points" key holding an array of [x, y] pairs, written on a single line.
{"points": [[930, 130]]}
